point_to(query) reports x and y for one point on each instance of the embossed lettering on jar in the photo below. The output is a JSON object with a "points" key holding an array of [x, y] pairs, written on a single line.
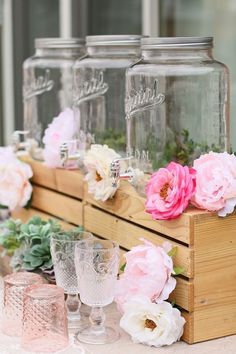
{"points": [[99, 89], [47, 85], [176, 102]]}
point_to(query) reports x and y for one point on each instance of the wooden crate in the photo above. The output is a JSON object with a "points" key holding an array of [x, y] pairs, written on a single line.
{"points": [[206, 292]]}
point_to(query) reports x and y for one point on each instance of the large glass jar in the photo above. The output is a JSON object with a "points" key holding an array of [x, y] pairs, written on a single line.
{"points": [[99, 89], [177, 104], [47, 84]]}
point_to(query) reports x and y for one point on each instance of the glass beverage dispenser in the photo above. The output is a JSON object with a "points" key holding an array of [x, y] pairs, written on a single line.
{"points": [[177, 104], [47, 86], [99, 89]]}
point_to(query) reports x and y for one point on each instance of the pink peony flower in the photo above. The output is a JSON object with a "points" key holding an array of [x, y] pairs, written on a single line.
{"points": [[15, 188], [147, 272], [169, 191], [215, 182], [63, 128]]}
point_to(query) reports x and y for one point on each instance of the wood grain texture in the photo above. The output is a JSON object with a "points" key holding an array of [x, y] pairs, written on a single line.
{"points": [[59, 205], [214, 322], [183, 294], [128, 205], [188, 335], [69, 182], [128, 235]]}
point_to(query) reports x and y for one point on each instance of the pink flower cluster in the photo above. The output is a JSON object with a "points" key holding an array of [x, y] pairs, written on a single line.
{"points": [[210, 185], [147, 272], [62, 129], [169, 191]]}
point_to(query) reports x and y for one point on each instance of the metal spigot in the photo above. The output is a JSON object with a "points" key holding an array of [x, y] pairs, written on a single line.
{"points": [[115, 171], [65, 156], [19, 144]]}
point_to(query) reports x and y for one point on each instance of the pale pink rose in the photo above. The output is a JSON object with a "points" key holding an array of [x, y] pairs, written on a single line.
{"points": [[147, 272], [215, 182], [169, 191], [62, 129], [15, 188]]}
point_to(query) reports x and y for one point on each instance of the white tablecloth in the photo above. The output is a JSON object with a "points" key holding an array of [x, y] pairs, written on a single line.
{"points": [[227, 345]]}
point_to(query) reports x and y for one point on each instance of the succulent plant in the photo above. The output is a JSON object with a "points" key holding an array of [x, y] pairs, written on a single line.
{"points": [[29, 244]]}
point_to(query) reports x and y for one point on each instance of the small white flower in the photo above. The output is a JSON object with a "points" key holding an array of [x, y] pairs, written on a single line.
{"points": [[152, 324], [97, 162]]}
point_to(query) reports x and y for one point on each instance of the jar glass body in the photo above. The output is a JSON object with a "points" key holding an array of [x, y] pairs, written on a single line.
{"points": [[47, 89], [176, 107], [99, 95]]}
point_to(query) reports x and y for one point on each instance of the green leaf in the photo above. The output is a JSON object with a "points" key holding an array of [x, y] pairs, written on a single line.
{"points": [[178, 270], [122, 268], [173, 251], [48, 264], [3, 206]]}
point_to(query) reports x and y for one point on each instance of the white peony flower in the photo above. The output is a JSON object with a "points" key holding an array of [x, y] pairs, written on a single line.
{"points": [[97, 162], [150, 323], [15, 188]]}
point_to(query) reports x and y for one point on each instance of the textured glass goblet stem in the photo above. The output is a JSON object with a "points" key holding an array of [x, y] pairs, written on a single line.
{"points": [[73, 305], [97, 319]]}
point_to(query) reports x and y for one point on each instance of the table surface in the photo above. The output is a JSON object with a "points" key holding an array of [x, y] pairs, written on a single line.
{"points": [[226, 345]]}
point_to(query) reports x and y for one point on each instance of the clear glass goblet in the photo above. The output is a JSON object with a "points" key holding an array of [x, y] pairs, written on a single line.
{"points": [[63, 253], [97, 264]]}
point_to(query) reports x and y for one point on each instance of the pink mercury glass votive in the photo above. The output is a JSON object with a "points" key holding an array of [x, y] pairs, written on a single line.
{"points": [[45, 327], [14, 287]]}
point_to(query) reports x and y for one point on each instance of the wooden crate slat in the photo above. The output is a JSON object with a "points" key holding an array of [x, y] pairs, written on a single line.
{"points": [[129, 205], [61, 206], [69, 182], [128, 235], [188, 335], [183, 294]]}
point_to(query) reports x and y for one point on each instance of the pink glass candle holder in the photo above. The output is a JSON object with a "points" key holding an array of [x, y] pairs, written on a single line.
{"points": [[44, 319], [14, 287]]}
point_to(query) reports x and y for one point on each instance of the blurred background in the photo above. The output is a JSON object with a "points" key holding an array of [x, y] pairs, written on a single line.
{"points": [[23, 20]]}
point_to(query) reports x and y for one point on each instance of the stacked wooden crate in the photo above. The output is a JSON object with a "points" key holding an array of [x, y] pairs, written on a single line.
{"points": [[206, 292]]}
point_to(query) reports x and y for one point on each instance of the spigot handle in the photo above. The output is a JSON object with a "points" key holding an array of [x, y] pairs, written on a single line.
{"points": [[16, 140], [115, 171], [64, 152]]}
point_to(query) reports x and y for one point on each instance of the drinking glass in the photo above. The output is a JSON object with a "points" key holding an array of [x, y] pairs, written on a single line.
{"points": [[63, 254], [15, 286], [44, 319], [97, 264]]}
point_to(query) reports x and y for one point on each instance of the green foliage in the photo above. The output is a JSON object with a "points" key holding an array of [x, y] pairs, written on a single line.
{"points": [[178, 270], [181, 148], [30, 242], [113, 139], [173, 251], [122, 268]]}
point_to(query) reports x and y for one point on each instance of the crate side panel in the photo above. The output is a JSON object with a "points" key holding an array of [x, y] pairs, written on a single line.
{"points": [[58, 205], [215, 276], [129, 205], [214, 322], [128, 235]]}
